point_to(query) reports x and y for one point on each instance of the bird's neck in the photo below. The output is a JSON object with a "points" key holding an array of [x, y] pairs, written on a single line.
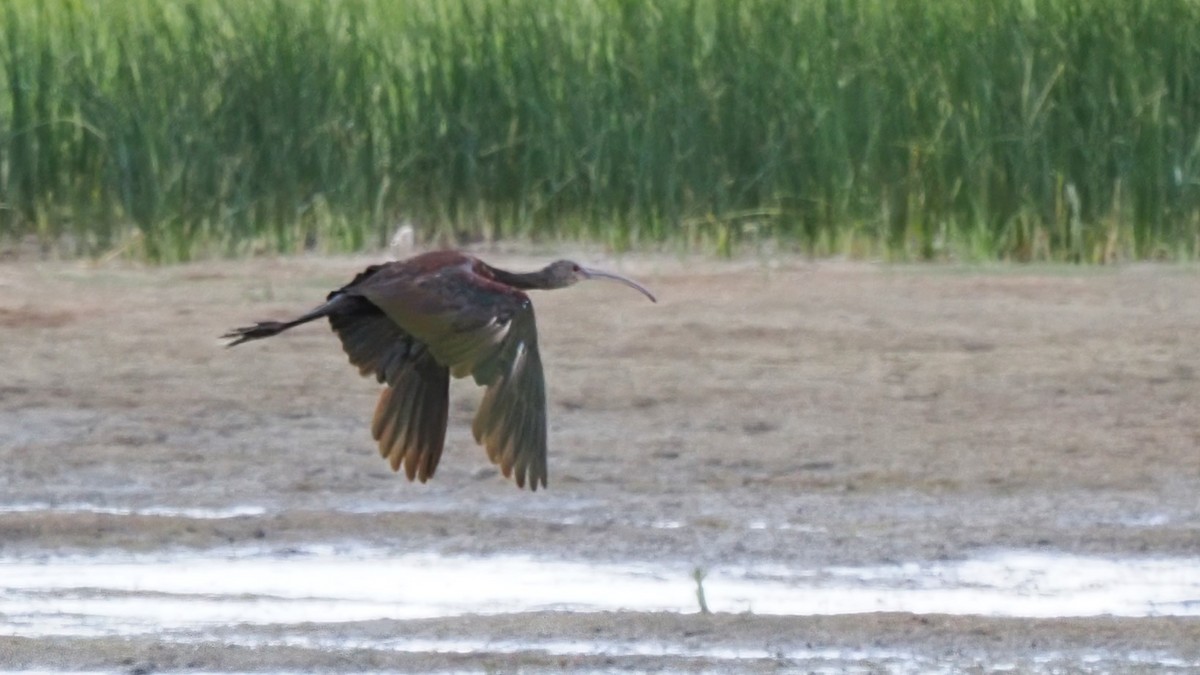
{"points": [[520, 280]]}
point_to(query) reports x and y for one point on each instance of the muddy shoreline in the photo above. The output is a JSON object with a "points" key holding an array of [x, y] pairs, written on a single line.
{"points": [[769, 411], [861, 643]]}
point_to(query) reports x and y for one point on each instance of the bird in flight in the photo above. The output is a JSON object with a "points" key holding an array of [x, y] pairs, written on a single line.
{"points": [[413, 323]]}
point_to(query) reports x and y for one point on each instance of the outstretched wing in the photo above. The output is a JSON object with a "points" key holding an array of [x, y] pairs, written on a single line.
{"points": [[511, 421], [474, 326], [410, 418]]}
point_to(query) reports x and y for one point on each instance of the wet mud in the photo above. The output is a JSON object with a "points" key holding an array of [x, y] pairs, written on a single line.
{"points": [[871, 469]]}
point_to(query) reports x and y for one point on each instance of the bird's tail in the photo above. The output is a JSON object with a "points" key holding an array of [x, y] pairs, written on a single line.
{"points": [[266, 329]]}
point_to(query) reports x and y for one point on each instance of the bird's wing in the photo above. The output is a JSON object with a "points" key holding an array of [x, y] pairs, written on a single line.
{"points": [[511, 421], [374, 343], [410, 418], [480, 328]]}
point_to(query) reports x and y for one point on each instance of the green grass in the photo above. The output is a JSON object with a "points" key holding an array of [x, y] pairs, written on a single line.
{"points": [[923, 129]]}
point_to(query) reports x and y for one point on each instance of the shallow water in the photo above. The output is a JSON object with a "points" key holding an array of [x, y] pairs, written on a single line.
{"points": [[133, 594], [161, 511]]}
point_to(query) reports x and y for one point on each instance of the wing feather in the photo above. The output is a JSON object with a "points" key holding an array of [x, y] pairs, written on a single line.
{"points": [[372, 341], [410, 417], [511, 421]]}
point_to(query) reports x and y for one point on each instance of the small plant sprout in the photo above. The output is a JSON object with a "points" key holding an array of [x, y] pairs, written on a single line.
{"points": [[698, 574]]}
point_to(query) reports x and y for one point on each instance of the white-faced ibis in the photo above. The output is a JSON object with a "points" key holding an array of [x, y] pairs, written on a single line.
{"points": [[413, 323]]}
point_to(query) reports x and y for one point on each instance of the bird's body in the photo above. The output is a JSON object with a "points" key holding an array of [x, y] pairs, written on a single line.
{"points": [[413, 323]]}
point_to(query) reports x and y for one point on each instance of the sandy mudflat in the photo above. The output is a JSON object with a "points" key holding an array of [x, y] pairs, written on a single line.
{"points": [[781, 413]]}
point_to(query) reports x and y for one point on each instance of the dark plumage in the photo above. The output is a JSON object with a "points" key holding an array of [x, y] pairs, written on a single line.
{"points": [[414, 323]]}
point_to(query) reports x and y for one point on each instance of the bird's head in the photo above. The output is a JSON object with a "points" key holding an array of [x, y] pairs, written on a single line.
{"points": [[563, 273]]}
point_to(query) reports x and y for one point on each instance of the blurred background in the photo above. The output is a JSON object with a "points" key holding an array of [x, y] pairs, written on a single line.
{"points": [[1024, 130]]}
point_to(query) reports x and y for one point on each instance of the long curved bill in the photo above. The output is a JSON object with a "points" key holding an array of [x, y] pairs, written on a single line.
{"points": [[599, 274]]}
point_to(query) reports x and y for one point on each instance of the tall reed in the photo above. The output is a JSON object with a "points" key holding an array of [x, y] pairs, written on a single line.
{"points": [[1031, 129]]}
